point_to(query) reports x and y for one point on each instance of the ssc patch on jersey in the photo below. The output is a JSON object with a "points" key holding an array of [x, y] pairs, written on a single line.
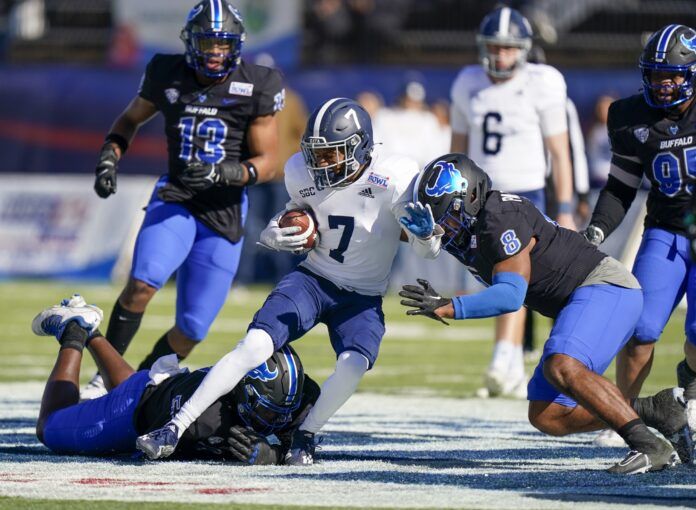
{"points": [[239, 88], [380, 181], [641, 134], [172, 95]]}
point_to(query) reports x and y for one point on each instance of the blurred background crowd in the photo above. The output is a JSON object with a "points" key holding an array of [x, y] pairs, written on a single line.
{"points": [[68, 67]]}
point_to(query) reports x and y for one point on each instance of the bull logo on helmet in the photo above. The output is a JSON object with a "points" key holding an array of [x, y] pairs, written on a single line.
{"points": [[449, 180], [263, 373], [689, 44]]}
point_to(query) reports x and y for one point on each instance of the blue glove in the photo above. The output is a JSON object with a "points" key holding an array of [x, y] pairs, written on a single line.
{"points": [[420, 221]]}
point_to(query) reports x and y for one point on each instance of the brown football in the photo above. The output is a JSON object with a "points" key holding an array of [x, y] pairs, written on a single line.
{"points": [[303, 219]]}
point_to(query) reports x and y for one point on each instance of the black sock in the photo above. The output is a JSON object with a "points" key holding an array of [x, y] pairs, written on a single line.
{"points": [[74, 337], [687, 379], [161, 348], [639, 438], [123, 324]]}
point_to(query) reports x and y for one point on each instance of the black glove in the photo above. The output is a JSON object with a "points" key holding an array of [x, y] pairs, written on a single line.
{"points": [[250, 447], [200, 176], [593, 234], [424, 299], [105, 182]]}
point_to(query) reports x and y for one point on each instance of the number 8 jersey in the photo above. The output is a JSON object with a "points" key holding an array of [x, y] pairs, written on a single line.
{"points": [[646, 141], [209, 123], [506, 122]]}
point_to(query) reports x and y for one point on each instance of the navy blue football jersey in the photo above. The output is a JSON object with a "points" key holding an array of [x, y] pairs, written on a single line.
{"points": [[650, 142], [209, 123], [561, 258]]}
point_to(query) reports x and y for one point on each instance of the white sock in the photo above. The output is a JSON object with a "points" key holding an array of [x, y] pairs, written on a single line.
{"points": [[503, 352], [254, 349], [516, 365], [350, 368]]}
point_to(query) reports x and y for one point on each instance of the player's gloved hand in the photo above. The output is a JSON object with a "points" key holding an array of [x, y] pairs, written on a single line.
{"points": [[250, 447], [200, 176], [105, 181], [420, 221], [424, 299], [593, 234], [279, 238]]}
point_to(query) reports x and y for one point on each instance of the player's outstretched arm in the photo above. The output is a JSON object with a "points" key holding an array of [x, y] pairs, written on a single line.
{"points": [[117, 141]]}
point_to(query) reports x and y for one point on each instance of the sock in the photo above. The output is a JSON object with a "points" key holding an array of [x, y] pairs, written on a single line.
{"points": [[639, 438], [502, 354], [687, 379], [123, 324], [74, 337], [350, 367], [256, 348], [92, 335], [161, 348], [528, 341]]}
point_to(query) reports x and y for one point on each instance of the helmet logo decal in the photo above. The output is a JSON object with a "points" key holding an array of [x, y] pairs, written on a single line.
{"points": [[194, 12], [263, 373], [689, 44], [449, 180]]}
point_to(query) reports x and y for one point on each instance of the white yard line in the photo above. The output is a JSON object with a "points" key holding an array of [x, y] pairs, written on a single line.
{"points": [[379, 451]]}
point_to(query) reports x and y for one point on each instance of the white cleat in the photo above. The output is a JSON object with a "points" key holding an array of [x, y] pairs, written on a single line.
{"points": [[499, 384], [608, 438], [53, 320], [95, 388]]}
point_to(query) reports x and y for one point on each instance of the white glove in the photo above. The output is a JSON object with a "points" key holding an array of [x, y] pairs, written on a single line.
{"points": [[282, 239]]}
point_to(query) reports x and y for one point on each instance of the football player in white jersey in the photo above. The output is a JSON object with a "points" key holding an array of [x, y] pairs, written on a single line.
{"points": [[506, 114], [359, 201]]}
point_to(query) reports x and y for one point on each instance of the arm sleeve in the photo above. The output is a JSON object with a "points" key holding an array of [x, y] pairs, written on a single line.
{"points": [[505, 295], [581, 174], [613, 203], [551, 104], [271, 95]]}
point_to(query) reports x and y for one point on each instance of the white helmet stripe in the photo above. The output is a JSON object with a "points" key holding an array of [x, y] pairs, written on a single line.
{"points": [[504, 22], [292, 375], [320, 115], [663, 43]]}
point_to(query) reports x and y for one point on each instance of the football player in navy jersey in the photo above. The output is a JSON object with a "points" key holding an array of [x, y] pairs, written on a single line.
{"points": [[271, 399], [526, 259], [222, 136], [653, 135]]}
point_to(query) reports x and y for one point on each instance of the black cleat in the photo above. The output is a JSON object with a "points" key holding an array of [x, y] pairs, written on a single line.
{"points": [[638, 462], [671, 420], [302, 449]]}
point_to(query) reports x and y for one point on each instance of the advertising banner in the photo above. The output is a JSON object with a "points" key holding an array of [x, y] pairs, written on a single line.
{"points": [[56, 226]]}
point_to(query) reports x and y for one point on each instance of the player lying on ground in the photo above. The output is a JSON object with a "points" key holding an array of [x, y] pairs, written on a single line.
{"points": [[525, 258], [359, 200], [271, 399]]}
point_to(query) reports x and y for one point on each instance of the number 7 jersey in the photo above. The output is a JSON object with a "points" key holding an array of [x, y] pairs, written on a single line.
{"points": [[358, 224]]}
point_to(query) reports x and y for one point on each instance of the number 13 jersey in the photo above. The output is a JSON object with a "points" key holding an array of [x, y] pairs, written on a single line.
{"points": [[506, 122]]}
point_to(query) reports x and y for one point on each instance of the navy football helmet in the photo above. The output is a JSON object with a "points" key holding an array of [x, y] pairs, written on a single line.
{"points": [[338, 142], [455, 188], [268, 396], [209, 24], [503, 27], [671, 49]]}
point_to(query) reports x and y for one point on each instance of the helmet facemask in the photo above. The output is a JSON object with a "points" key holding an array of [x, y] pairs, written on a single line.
{"points": [[493, 64], [457, 226], [261, 414], [199, 54], [680, 92], [331, 164]]}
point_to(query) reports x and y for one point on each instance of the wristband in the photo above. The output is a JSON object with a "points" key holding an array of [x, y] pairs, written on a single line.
{"points": [[118, 140], [565, 208], [253, 173]]}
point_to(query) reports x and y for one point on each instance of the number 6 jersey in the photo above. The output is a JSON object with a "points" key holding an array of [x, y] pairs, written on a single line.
{"points": [[209, 123], [506, 122], [358, 224]]}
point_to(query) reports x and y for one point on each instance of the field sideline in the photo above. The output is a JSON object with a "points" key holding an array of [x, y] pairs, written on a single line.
{"points": [[413, 447]]}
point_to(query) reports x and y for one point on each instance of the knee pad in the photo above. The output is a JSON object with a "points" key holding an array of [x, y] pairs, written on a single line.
{"points": [[192, 327], [152, 273], [255, 348], [352, 364], [647, 332]]}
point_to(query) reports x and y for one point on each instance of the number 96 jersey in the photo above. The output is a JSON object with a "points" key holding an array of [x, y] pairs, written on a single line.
{"points": [[645, 141], [506, 122], [209, 124], [358, 224]]}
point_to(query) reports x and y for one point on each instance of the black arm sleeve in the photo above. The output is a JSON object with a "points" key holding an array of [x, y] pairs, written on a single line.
{"points": [[614, 201]]}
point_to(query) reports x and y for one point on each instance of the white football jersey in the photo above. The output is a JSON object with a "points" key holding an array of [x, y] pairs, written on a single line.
{"points": [[358, 224], [506, 122]]}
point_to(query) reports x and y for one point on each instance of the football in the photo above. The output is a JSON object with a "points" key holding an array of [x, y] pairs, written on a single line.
{"points": [[303, 219]]}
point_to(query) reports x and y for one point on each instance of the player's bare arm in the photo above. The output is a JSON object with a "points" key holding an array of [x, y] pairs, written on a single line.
{"points": [[460, 142], [137, 113], [559, 149], [262, 139]]}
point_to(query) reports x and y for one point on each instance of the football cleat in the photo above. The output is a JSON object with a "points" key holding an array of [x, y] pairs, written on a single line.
{"points": [[609, 438], [499, 384], [671, 420], [95, 388], [159, 443], [686, 380], [53, 320], [302, 449], [636, 462]]}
